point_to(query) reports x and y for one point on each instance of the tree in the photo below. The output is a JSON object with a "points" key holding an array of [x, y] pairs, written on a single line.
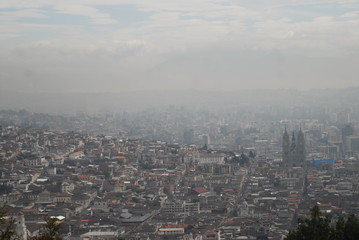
{"points": [[234, 159], [7, 228], [339, 229], [351, 228], [314, 228], [52, 228], [319, 227], [243, 159], [251, 154]]}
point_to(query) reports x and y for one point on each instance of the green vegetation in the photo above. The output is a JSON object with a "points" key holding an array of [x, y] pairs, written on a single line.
{"points": [[7, 231], [52, 229], [319, 227], [7, 228]]}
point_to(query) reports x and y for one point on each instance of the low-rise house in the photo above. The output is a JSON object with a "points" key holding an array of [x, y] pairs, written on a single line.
{"points": [[67, 187], [100, 204], [63, 197], [81, 199]]}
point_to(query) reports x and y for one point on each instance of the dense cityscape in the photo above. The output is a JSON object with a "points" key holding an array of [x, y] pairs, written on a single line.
{"points": [[179, 120], [177, 173]]}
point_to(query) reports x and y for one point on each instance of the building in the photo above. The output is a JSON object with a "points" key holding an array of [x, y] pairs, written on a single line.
{"points": [[293, 151], [180, 207], [172, 207], [348, 130], [171, 231], [188, 137], [77, 155], [351, 145], [210, 158]]}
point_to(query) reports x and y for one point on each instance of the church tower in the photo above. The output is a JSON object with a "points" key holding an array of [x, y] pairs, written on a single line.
{"points": [[293, 151], [285, 146], [293, 145], [300, 147]]}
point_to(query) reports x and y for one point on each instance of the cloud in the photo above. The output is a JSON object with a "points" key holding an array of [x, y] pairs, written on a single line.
{"points": [[96, 16], [186, 24], [179, 44], [20, 14], [351, 14]]}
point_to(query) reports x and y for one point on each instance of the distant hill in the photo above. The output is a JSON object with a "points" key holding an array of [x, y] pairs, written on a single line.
{"points": [[192, 99]]}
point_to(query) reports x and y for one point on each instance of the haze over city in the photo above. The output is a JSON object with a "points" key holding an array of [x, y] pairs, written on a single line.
{"points": [[186, 120]]}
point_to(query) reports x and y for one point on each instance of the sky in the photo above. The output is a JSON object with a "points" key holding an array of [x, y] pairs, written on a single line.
{"points": [[72, 46]]}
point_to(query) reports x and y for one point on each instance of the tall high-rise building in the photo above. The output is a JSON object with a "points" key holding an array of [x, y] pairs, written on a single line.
{"points": [[348, 130], [351, 145], [205, 140], [293, 151], [188, 137]]}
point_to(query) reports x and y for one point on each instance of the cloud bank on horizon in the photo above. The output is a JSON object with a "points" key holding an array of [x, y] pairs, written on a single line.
{"points": [[123, 45]]}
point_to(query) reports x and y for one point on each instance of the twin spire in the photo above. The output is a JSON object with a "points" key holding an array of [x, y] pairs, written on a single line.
{"points": [[294, 149]]}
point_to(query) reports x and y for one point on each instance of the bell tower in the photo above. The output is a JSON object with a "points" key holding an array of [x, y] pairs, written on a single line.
{"points": [[285, 146], [293, 151]]}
